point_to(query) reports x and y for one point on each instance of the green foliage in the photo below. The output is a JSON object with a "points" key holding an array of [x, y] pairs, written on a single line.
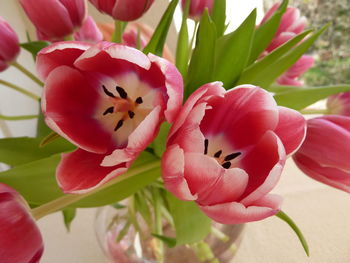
{"points": [[34, 46], [232, 52], [190, 223], [202, 62], [68, 217], [218, 16], [157, 42]]}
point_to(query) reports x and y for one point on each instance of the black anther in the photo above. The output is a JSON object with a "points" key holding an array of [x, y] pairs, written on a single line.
{"points": [[206, 143], [232, 156], [131, 114], [122, 92], [226, 165], [119, 124], [217, 154], [108, 93], [109, 110], [139, 100]]}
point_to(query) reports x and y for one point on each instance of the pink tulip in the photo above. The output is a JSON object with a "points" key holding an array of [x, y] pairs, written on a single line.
{"points": [[292, 23], [109, 100], [124, 10], [9, 45], [290, 77], [324, 155], [89, 32], [55, 19], [197, 7], [226, 151], [339, 104], [20, 238]]}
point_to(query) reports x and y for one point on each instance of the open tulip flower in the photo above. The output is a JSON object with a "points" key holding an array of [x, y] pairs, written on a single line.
{"points": [[108, 100], [124, 10], [20, 238], [324, 155], [226, 151], [55, 19]]}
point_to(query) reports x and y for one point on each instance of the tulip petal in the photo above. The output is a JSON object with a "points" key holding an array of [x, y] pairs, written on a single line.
{"points": [[126, 10], [291, 129], [245, 114], [331, 176], [237, 213], [264, 164], [59, 54], [20, 239], [137, 140], [81, 171], [173, 164], [69, 103], [174, 86]]}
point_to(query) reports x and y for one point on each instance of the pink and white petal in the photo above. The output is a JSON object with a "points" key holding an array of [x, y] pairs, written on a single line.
{"points": [[201, 173], [77, 11], [59, 54], [81, 171], [228, 188], [109, 58], [244, 115], [291, 129], [20, 238], [138, 140], [173, 164], [287, 81], [205, 91], [280, 40], [69, 102], [264, 165], [237, 213], [174, 86], [331, 176]]}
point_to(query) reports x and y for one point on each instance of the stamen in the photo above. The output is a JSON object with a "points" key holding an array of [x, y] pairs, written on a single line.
{"points": [[109, 110], [217, 154], [119, 124], [139, 100], [226, 165], [131, 114], [206, 143], [232, 156], [122, 92], [108, 93]]}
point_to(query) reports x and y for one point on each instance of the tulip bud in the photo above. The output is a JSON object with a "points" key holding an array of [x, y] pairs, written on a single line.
{"points": [[55, 19], [293, 73], [324, 155], [123, 10], [197, 7], [9, 45], [89, 32], [339, 104], [20, 238]]}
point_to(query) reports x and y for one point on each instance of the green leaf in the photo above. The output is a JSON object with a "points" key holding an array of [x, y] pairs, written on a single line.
{"points": [[157, 42], [141, 205], [37, 183], [190, 223], [49, 139], [182, 47], [232, 52], [301, 97], [289, 221], [256, 71], [21, 150], [266, 32], [202, 62], [68, 217], [34, 47], [169, 241], [42, 129], [218, 16], [159, 143], [273, 71]]}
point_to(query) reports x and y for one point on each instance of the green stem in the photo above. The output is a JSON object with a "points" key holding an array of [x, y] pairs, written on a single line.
{"points": [[158, 224], [5, 129], [314, 111], [69, 199], [18, 118], [28, 73], [19, 89], [194, 35], [117, 36]]}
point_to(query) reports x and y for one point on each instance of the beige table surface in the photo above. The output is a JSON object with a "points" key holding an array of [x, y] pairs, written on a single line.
{"points": [[322, 213]]}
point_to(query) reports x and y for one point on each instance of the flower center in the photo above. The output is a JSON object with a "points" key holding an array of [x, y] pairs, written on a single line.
{"points": [[222, 156]]}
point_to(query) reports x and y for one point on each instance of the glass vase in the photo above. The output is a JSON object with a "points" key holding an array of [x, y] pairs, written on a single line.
{"points": [[121, 243]]}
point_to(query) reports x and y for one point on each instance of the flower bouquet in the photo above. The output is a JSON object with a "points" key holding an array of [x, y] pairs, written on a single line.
{"points": [[182, 148]]}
